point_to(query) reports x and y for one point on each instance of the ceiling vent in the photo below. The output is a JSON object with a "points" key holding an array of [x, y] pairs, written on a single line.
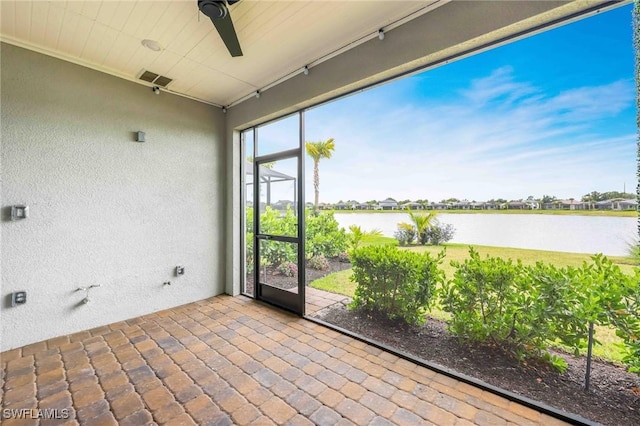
{"points": [[158, 80]]}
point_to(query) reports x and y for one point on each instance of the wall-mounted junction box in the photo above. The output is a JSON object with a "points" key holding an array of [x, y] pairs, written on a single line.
{"points": [[18, 298], [19, 212]]}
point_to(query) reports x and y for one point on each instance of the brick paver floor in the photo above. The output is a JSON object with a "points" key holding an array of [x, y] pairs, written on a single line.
{"points": [[231, 360], [317, 300]]}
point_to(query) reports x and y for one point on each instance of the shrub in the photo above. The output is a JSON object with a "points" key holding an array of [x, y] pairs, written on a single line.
{"points": [[405, 234], [277, 253], [271, 222], [276, 223], [521, 309], [248, 261], [396, 283], [288, 269], [343, 257], [318, 262], [614, 299], [324, 235], [516, 308], [439, 233], [604, 295], [547, 312], [481, 298], [627, 323]]}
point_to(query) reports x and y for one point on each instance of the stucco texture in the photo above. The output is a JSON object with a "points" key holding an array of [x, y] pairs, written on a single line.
{"points": [[103, 209]]}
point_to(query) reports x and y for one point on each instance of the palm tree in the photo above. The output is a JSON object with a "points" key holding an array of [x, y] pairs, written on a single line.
{"points": [[422, 223], [317, 151], [357, 235]]}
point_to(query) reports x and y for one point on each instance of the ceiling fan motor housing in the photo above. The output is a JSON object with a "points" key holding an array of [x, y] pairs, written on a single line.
{"points": [[218, 12], [213, 9]]}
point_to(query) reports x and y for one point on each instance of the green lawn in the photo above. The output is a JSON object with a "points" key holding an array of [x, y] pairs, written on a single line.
{"points": [[460, 252], [377, 240], [341, 283]]}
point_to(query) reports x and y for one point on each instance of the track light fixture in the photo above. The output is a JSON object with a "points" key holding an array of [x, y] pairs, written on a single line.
{"points": [[305, 70], [156, 90], [381, 34]]}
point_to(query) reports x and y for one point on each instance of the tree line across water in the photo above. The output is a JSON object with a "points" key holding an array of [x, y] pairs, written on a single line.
{"points": [[592, 197]]}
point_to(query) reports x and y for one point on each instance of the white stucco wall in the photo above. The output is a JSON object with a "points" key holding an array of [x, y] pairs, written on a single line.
{"points": [[103, 208]]}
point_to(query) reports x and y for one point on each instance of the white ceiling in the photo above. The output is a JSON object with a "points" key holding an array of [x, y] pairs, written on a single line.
{"points": [[278, 38]]}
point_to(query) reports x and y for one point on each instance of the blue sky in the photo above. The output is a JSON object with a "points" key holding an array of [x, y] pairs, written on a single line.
{"points": [[550, 114]]}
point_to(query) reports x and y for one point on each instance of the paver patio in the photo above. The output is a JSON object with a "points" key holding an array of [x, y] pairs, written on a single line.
{"points": [[232, 360]]}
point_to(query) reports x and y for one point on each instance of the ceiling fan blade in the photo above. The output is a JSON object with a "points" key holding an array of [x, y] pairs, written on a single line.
{"points": [[228, 34]]}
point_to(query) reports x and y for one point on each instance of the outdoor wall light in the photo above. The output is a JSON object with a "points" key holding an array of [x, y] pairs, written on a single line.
{"points": [[257, 93], [224, 109], [156, 90], [381, 34], [305, 70]]}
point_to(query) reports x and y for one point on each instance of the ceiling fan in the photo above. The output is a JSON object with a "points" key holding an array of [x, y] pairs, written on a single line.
{"points": [[218, 11]]}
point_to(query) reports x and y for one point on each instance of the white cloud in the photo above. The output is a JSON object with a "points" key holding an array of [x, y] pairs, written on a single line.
{"points": [[498, 138], [498, 86]]}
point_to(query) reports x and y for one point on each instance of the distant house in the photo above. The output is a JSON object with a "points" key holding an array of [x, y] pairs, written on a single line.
{"points": [[348, 205], [388, 204], [604, 205], [412, 206], [489, 205], [626, 205], [516, 205], [461, 205], [342, 206], [617, 204], [573, 205], [438, 206], [531, 203], [554, 205], [477, 205]]}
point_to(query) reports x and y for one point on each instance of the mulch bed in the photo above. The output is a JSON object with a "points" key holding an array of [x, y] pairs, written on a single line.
{"points": [[280, 281], [614, 397]]}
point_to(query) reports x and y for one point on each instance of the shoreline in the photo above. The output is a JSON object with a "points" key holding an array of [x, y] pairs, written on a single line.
{"points": [[607, 213]]}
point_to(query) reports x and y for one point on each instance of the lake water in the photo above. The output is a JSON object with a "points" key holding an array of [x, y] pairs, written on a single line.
{"points": [[575, 234]]}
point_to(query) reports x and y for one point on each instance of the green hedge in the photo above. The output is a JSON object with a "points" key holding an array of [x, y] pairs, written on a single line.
{"points": [[395, 283], [523, 309], [323, 235]]}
